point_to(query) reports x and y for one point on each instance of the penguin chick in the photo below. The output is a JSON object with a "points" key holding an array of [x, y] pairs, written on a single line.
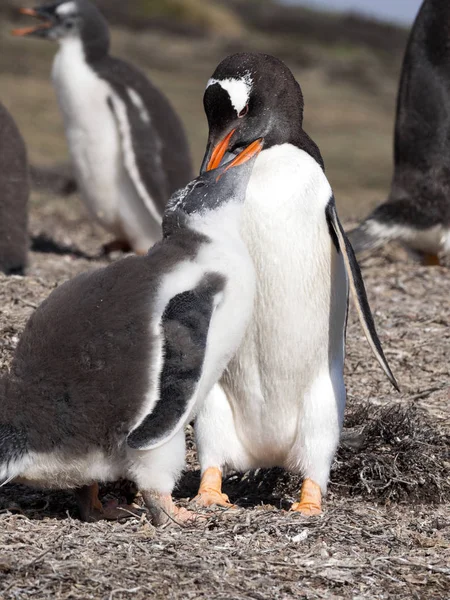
{"points": [[115, 362], [14, 194], [417, 212], [127, 144]]}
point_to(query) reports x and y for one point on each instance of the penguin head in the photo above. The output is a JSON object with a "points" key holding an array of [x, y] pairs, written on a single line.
{"points": [[214, 188], [70, 19], [250, 96]]}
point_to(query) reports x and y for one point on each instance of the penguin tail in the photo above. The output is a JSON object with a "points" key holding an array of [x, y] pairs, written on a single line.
{"points": [[13, 453], [14, 457], [368, 236]]}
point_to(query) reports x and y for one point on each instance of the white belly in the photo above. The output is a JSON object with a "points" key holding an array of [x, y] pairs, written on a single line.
{"points": [[96, 151], [296, 334]]}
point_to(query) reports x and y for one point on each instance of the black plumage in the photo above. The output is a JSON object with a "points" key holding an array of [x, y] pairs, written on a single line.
{"points": [[14, 194]]}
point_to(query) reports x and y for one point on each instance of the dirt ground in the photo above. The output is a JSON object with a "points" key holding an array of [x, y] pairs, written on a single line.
{"points": [[385, 531]]}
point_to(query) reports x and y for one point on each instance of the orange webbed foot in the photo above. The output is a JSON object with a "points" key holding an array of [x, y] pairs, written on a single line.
{"points": [[210, 491], [310, 503], [92, 510], [431, 260]]}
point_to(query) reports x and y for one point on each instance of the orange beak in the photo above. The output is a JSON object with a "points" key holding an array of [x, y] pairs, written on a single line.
{"points": [[219, 152], [252, 150], [29, 30]]}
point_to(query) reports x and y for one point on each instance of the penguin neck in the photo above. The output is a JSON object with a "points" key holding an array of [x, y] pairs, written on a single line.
{"points": [[224, 221], [71, 54], [77, 51], [294, 136]]}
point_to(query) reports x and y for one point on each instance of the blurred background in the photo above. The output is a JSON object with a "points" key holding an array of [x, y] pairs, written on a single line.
{"points": [[346, 54]]}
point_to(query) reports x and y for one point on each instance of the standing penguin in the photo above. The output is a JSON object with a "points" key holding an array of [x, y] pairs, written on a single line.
{"points": [[281, 400], [127, 145], [417, 212], [14, 194], [114, 363]]}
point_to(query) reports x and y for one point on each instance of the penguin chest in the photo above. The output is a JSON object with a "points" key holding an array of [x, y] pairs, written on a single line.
{"points": [[297, 329], [92, 135]]}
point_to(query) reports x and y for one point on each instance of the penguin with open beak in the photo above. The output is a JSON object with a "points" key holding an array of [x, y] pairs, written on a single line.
{"points": [[127, 144], [417, 212], [281, 400], [14, 195], [116, 361]]}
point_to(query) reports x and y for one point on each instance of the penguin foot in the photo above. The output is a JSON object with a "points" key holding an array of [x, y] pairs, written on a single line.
{"points": [[163, 510], [116, 246], [310, 499], [92, 510], [431, 260], [210, 491]]}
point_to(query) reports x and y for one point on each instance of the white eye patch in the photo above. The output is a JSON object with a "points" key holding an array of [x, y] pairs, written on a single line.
{"points": [[239, 90], [68, 8]]}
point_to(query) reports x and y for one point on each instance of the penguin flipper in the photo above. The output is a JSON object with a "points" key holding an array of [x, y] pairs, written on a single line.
{"points": [[358, 289], [141, 149], [185, 326]]}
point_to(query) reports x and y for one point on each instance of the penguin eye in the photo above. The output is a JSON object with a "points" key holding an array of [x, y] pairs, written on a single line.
{"points": [[243, 112], [69, 24]]}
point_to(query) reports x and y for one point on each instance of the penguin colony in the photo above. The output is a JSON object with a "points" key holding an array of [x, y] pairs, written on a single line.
{"points": [[236, 318]]}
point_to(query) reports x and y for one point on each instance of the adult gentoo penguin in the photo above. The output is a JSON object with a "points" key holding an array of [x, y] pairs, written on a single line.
{"points": [[127, 144], [14, 194], [114, 363], [281, 400], [417, 212]]}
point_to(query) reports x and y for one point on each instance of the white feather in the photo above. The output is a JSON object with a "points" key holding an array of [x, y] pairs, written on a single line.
{"points": [[285, 386], [238, 89], [225, 254], [68, 8], [432, 240]]}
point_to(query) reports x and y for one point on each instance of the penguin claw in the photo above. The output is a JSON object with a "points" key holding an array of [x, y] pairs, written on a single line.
{"points": [[306, 508], [207, 498], [210, 492], [163, 510]]}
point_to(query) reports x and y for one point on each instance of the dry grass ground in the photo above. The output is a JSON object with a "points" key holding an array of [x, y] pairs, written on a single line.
{"points": [[385, 532]]}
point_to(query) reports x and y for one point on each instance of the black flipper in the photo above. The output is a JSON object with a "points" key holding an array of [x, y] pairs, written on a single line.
{"points": [[358, 290], [141, 149], [185, 325]]}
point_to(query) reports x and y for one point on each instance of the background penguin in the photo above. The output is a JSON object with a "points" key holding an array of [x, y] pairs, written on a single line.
{"points": [[14, 194], [281, 400], [111, 366], [127, 144], [417, 212]]}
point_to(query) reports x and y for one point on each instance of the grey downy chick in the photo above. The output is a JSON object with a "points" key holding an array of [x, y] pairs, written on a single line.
{"points": [[113, 365]]}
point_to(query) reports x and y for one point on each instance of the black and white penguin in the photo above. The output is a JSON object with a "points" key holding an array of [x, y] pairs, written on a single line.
{"points": [[115, 362], [127, 145], [417, 212], [281, 400], [14, 194]]}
